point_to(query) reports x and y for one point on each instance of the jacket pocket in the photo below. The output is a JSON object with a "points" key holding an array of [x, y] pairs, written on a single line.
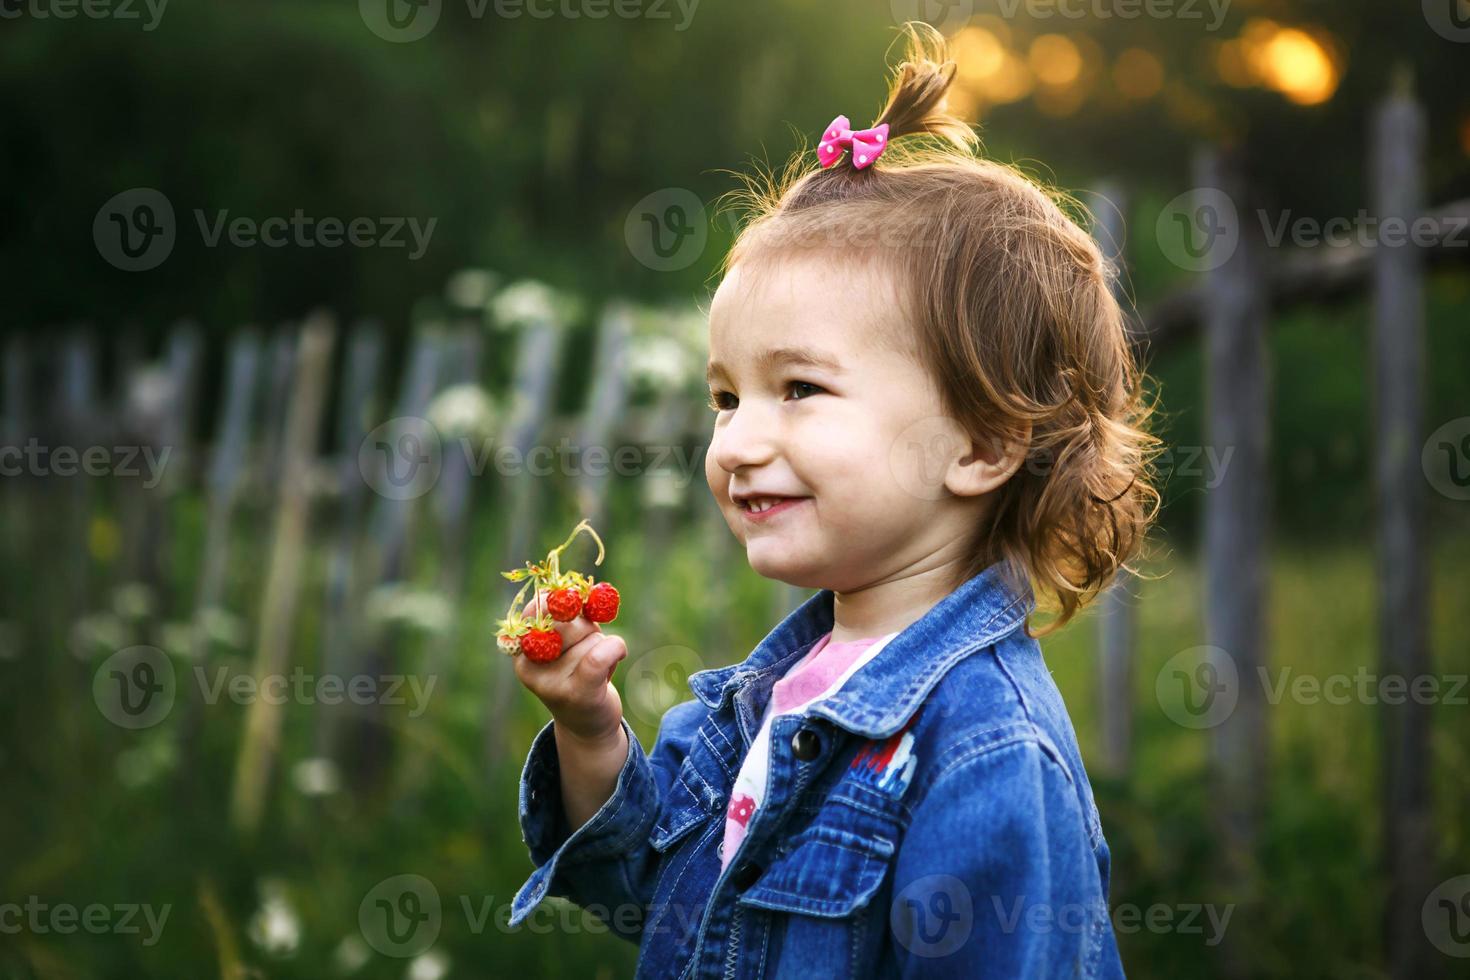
{"points": [[828, 872]]}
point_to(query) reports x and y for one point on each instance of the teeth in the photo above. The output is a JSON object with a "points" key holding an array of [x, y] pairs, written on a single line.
{"points": [[763, 503]]}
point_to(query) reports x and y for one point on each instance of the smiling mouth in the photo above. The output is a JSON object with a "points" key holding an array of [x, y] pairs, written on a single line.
{"points": [[768, 507]]}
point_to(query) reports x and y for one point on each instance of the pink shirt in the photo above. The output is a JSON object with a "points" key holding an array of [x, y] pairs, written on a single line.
{"points": [[821, 672]]}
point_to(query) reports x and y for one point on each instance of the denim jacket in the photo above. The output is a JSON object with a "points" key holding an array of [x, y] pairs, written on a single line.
{"points": [[929, 818]]}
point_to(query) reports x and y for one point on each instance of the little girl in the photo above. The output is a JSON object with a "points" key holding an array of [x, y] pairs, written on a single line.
{"points": [[927, 409]]}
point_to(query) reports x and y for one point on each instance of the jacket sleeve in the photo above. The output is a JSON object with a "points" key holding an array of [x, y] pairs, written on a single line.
{"points": [[607, 865], [997, 875]]}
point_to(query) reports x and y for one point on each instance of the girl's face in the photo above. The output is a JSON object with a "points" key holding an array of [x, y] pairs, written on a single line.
{"points": [[811, 405]]}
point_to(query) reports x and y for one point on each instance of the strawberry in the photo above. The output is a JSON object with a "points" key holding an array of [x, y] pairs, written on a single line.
{"points": [[567, 594], [602, 603], [541, 645], [564, 604]]}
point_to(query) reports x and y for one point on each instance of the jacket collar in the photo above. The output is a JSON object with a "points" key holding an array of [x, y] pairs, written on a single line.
{"points": [[877, 700]]}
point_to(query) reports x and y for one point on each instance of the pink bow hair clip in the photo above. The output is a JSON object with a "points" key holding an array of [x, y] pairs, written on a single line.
{"points": [[866, 145]]}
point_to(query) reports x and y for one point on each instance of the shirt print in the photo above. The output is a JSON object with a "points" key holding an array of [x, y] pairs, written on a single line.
{"points": [[820, 673]]}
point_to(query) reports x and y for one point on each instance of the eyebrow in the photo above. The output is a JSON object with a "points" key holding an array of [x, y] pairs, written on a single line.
{"points": [[777, 356]]}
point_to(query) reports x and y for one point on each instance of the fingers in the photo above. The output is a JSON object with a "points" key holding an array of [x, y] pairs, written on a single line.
{"points": [[597, 665], [572, 632]]}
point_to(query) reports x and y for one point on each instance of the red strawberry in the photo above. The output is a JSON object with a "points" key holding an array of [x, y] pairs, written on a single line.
{"points": [[541, 645], [602, 603], [564, 604]]}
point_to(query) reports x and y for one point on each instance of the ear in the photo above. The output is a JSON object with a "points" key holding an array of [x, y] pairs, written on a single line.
{"points": [[988, 465]]}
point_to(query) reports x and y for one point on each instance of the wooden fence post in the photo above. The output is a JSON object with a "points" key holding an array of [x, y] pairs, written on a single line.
{"points": [[1397, 164], [78, 426], [1117, 612], [531, 393], [604, 409], [364, 355], [1237, 409], [391, 538], [260, 741]]}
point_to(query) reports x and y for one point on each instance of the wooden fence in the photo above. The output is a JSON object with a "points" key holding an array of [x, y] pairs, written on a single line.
{"points": [[275, 396]]}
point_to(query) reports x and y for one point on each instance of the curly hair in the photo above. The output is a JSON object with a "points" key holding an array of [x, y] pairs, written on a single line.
{"points": [[1016, 319]]}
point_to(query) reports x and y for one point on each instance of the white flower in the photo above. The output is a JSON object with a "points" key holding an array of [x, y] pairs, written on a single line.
{"points": [[316, 777], [660, 362], [530, 301], [432, 965], [471, 288], [351, 954], [396, 602], [132, 600], [463, 410], [275, 927]]}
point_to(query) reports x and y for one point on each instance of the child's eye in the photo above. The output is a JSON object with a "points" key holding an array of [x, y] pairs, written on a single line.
{"points": [[718, 399]]}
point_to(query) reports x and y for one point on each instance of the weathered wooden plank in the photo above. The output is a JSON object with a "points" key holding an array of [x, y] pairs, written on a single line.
{"points": [[1116, 611], [1237, 399], [1397, 166], [260, 743]]}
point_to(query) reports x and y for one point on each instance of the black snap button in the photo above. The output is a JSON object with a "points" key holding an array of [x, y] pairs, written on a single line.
{"points": [[745, 875], [805, 745]]}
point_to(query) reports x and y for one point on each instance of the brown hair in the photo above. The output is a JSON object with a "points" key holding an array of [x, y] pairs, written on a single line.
{"points": [[1016, 320]]}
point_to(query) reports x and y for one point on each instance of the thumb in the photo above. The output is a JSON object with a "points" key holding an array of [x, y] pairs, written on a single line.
{"points": [[608, 653]]}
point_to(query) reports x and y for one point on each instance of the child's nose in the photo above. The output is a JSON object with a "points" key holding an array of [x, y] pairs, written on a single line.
{"points": [[749, 438]]}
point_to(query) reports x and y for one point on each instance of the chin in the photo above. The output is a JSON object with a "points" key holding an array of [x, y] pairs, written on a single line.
{"points": [[780, 568]]}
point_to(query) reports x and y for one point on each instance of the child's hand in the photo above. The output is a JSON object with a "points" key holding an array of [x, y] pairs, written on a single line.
{"points": [[577, 686]]}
